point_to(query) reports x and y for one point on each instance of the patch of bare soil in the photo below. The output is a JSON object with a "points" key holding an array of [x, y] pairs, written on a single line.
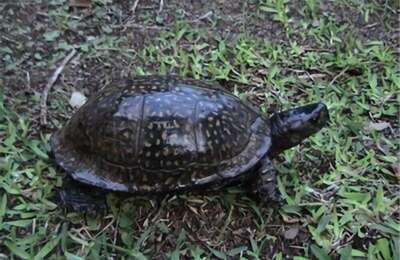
{"points": [[29, 57]]}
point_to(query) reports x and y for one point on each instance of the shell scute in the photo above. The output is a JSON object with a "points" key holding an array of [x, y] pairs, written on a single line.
{"points": [[161, 134]]}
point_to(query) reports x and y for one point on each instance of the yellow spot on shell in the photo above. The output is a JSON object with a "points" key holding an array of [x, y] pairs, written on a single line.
{"points": [[145, 187], [169, 181], [226, 130], [186, 138], [166, 151]]}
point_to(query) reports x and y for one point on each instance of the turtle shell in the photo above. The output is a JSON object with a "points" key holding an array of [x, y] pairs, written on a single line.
{"points": [[161, 134]]}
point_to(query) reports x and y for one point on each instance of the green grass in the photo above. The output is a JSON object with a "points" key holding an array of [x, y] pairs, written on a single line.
{"points": [[340, 187]]}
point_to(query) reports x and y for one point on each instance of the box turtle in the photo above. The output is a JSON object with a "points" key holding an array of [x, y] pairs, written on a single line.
{"points": [[160, 134]]}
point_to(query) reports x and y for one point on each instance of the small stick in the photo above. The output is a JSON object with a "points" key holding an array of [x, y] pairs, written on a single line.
{"points": [[312, 76], [133, 8], [338, 75], [161, 6], [50, 83], [204, 16], [9, 40], [28, 79], [140, 26]]}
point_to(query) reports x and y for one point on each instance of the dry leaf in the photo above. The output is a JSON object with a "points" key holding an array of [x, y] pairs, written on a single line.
{"points": [[290, 220], [376, 126], [291, 233], [80, 3], [77, 99]]}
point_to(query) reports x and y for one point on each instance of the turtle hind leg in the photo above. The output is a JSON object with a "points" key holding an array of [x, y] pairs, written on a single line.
{"points": [[78, 197], [264, 184]]}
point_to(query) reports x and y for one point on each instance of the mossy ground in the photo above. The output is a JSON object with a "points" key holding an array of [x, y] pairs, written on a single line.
{"points": [[340, 187]]}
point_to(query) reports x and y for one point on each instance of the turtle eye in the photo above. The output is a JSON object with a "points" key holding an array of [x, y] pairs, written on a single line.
{"points": [[314, 118], [319, 118]]}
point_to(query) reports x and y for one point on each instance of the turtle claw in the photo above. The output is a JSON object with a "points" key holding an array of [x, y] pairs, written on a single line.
{"points": [[268, 193]]}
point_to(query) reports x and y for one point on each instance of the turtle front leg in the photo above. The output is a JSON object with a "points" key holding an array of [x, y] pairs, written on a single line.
{"points": [[80, 198], [265, 182]]}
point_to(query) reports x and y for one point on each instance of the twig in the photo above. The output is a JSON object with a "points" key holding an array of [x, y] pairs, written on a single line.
{"points": [[115, 49], [105, 228], [28, 79], [140, 26], [204, 16], [134, 6], [42, 14], [338, 75], [312, 76], [161, 6], [371, 25], [9, 40], [50, 83]]}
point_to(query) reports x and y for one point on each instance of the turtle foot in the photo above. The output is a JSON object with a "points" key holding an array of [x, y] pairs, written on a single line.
{"points": [[268, 193], [265, 184], [78, 197]]}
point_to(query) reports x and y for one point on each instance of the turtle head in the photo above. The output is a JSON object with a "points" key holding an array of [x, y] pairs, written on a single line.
{"points": [[291, 127]]}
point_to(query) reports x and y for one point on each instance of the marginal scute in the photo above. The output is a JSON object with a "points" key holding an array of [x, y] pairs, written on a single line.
{"points": [[161, 133]]}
